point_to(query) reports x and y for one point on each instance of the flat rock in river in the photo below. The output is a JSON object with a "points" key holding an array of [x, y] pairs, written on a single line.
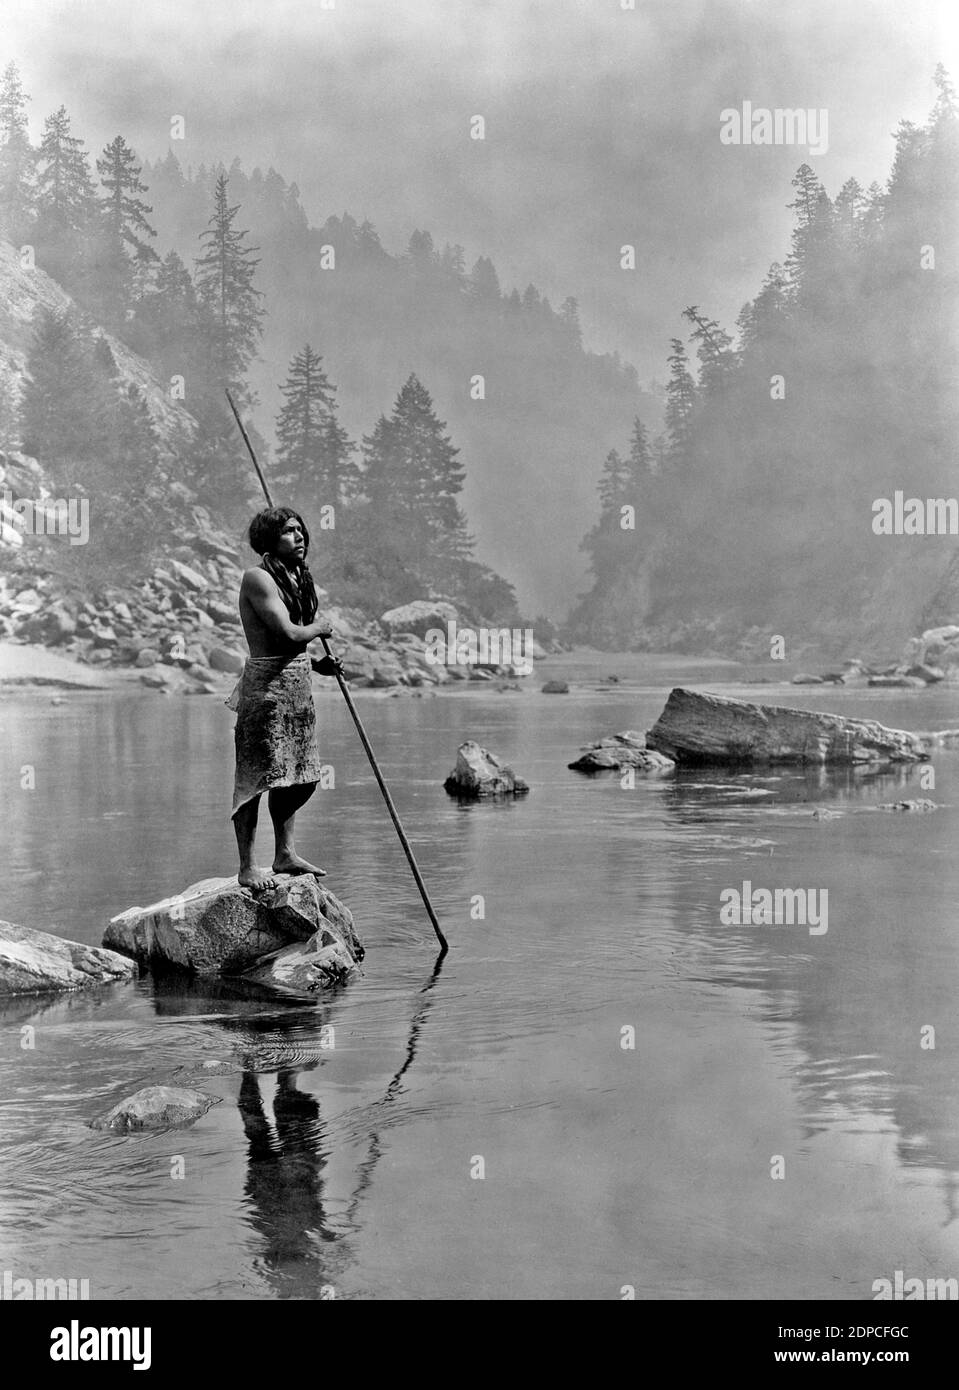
{"points": [[699, 728], [37, 962], [621, 750]]}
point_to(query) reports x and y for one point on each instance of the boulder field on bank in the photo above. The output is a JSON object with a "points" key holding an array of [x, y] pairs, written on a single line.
{"points": [[37, 962], [697, 728], [297, 937], [175, 624], [927, 659]]}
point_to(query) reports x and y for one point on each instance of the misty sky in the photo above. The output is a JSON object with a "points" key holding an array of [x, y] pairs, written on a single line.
{"points": [[602, 125]]}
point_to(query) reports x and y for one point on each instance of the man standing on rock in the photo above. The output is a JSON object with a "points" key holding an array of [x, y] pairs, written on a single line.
{"points": [[275, 733]]}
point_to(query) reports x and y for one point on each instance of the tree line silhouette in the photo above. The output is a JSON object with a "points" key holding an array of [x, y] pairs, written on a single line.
{"points": [[753, 506]]}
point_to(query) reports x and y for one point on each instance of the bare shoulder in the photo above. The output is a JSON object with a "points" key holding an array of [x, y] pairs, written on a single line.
{"points": [[257, 581]]}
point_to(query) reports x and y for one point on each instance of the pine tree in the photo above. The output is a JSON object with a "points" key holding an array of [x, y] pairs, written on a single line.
{"points": [[680, 404], [225, 290], [420, 254], [532, 304], [368, 243], [569, 314], [65, 410], [762, 324], [166, 326], [66, 198], [314, 454], [943, 170], [413, 480], [614, 487], [17, 159], [717, 361], [850, 202], [872, 217], [484, 282], [810, 260], [382, 463], [639, 463], [452, 266], [119, 262], [126, 214], [138, 449]]}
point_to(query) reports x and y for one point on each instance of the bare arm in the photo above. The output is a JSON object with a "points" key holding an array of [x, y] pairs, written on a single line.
{"points": [[261, 593]]}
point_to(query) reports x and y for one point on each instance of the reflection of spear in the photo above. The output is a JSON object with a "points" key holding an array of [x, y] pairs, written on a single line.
{"points": [[412, 1042], [407, 849]]}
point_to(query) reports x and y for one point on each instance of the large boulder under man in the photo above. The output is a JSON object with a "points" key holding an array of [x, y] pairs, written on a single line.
{"points": [[275, 735]]}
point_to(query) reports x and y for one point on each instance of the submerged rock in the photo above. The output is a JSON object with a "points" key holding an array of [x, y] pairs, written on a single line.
{"points": [[480, 773], [940, 738], [305, 967], [697, 728], [37, 962], [217, 927], [627, 749], [898, 682], [919, 804], [156, 1107]]}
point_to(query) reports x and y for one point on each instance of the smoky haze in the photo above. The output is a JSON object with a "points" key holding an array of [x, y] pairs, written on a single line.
{"points": [[601, 124], [602, 128]]}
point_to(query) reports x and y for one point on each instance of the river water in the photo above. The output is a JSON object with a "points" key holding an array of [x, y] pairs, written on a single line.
{"points": [[353, 1171]]}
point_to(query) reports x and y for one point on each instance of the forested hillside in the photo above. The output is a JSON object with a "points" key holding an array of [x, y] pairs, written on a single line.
{"points": [[444, 434], [755, 511], [361, 367]]}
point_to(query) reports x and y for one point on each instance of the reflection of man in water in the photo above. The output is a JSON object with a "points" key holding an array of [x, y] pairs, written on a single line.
{"points": [[283, 1174]]}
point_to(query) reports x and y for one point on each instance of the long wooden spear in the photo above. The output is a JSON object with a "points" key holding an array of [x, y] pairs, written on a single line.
{"points": [[407, 848]]}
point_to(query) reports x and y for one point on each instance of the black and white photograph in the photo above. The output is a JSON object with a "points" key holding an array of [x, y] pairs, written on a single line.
{"points": [[479, 661]]}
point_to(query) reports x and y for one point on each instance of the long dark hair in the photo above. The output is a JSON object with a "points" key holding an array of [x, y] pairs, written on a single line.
{"points": [[295, 585]]}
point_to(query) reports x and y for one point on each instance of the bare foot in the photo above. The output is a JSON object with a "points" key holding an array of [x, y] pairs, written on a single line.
{"points": [[293, 864], [257, 880]]}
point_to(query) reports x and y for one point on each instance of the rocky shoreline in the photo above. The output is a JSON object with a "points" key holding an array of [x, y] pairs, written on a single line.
{"points": [[177, 627]]}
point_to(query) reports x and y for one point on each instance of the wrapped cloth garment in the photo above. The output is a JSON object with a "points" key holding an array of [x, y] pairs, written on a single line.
{"points": [[275, 733]]}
